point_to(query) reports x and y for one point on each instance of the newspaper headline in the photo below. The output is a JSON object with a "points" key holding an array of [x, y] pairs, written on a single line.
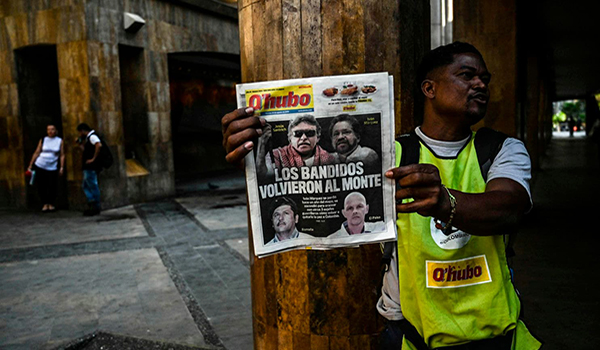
{"points": [[315, 177]]}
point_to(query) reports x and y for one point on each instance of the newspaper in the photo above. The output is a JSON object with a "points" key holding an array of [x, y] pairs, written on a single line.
{"points": [[315, 177]]}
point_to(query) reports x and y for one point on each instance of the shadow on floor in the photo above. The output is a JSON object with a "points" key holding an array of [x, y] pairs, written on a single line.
{"points": [[556, 262]]}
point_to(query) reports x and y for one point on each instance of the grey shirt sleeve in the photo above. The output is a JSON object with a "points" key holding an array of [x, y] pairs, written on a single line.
{"points": [[512, 162], [388, 304]]}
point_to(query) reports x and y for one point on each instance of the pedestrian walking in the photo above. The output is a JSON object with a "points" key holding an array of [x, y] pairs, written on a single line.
{"points": [[48, 162], [90, 144]]}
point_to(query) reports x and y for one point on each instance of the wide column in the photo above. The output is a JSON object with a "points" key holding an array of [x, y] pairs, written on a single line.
{"points": [[492, 27], [326, 299]]}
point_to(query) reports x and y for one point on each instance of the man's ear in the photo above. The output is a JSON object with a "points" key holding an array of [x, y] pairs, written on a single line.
{"points": [[296, 217], [428, 88], [367, 211]]}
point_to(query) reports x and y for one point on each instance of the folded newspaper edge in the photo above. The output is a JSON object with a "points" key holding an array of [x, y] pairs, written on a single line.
{"points": [[311, 186]]}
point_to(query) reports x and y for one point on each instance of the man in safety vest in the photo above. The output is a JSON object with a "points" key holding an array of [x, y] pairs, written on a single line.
{"points": [[455, 286]]}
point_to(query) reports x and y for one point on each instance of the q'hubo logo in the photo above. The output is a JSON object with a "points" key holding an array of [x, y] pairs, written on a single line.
{"points": [[458, 273], [281, 100]]}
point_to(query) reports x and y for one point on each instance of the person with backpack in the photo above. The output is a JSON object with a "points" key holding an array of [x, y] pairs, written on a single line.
{"points": [[91, 145], [457, 200]]}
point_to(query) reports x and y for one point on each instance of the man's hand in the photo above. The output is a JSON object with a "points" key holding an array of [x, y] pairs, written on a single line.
{"points": [[422, 183], [90, 161], [493, 212], [239, 128]]}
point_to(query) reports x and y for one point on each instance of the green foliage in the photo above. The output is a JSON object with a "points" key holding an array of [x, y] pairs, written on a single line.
{"points": [[571, 109], [559, 117], [574, 109]]}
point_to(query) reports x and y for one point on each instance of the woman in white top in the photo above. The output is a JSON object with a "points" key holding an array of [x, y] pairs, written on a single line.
{"points": [[45, 162]]}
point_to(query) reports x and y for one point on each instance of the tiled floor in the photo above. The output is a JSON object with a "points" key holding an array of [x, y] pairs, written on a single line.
{"points": [[154, 271], [50, 302]]}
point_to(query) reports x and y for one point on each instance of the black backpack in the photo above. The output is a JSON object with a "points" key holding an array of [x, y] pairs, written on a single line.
{"points": [[105, 158]]}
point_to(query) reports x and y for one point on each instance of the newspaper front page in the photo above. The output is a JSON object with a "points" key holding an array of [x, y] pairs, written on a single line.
{"points": [[315, 177]]}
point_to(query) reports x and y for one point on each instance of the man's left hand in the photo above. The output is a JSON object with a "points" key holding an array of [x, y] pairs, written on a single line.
{"points": [[422, 183]]}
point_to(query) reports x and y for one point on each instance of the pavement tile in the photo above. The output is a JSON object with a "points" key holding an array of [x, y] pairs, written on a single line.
{"points": [[237, 329], [114, 299], [218, 212], [66, 275], [67, 227], [240, 245]]}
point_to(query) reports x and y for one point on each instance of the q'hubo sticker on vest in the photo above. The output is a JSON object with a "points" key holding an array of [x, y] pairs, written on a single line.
{"points": [[457, 273], [455, 240]]}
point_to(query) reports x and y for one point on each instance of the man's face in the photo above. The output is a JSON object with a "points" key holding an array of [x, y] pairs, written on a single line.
{"points": [[343, 138], [304, 138], [462, 88], [355, 209], [82, 133], [284, 220]]}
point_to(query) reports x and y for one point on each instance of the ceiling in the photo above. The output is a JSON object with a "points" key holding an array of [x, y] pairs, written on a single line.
{"points": [[567, 33], [564, 33]]}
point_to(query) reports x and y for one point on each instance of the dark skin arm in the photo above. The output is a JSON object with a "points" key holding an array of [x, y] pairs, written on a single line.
{"points": [[240, 129], [494, 212]]}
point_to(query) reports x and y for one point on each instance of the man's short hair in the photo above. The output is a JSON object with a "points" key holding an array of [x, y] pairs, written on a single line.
{"points": [[308, 119], [443, 56], [83, 127], [283, 201], [354, 124], [355, 194]]}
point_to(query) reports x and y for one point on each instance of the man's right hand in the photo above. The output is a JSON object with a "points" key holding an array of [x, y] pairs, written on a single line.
{"points": [[239, 128]]}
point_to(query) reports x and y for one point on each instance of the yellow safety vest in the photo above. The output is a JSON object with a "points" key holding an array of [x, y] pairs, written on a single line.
{"points": [[457, 288]]}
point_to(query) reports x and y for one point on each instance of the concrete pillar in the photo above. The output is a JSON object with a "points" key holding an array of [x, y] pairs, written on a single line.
{"points": [[492, 27], [326, 299], [449, 13], [436, 23], [12, 181]]}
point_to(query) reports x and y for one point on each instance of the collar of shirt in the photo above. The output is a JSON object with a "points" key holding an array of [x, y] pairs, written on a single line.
{"points": [[346, 227], [442, 148]]}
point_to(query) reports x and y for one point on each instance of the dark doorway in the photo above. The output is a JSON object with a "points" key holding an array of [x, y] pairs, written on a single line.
{"points": [[134, 103], [39, 102], [202, 90]]}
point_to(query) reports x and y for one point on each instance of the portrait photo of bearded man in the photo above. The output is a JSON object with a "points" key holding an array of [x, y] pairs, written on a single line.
{"points": [[345, 132]]}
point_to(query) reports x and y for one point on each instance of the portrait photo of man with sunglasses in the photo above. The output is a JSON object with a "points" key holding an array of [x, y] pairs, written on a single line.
{"points": [[304, 133]]}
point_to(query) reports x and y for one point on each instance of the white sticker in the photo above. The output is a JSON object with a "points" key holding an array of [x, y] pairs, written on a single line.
{"points": [[455, 240]]}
